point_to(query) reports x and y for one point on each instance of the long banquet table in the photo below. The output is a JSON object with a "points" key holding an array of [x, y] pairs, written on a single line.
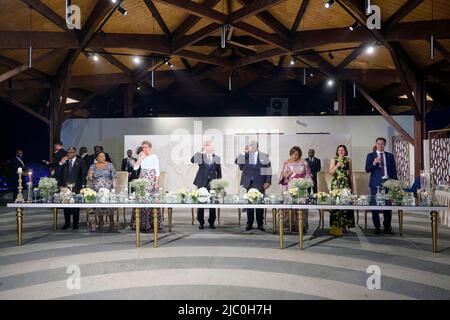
{"points": [[281, 209]]}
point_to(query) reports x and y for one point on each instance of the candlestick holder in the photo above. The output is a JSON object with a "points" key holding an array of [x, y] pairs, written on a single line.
{"points": [[20, 198]]}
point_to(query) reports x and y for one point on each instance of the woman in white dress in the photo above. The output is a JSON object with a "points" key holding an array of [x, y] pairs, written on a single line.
{"points": [[148, 164]]}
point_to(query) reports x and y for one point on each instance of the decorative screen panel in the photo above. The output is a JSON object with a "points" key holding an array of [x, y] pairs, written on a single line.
{"points": [[440, 155], [400, 148]]}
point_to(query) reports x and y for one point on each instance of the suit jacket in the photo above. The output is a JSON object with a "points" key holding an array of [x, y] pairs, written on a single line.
{"points": [[260, 173], [124, 165], [314, 165], [76, 175], [375, 170], [206, 172]]}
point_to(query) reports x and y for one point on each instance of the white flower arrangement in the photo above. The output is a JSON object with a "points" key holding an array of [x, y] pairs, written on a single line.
{"points": [[47, 183], [302, 183], [183, 193], [194, 195], [217, 184], [335, 193], [139, 185], [254, 195], [201, 195], [394, 185], [293, 192], [88, 194]]}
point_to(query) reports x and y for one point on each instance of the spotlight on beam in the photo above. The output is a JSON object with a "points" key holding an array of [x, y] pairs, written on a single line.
{"points": [[353, 26], [169, 64], [292, 61], [113, 1], [330, 55], [330, 82], [122, 10], [329, 3], [95, 57], [370, 49], [137, 60], [86, 54]]}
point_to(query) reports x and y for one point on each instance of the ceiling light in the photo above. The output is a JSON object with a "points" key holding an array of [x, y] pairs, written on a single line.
{"points": [[113, 1], [169, 64], [122, 10], [330, 82], [292, 61], [370, 49], [329, 3], [95, 57], [136, 60], [354, 26]]}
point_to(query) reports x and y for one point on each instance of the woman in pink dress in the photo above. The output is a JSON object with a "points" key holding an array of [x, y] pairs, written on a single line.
{"points": [[295, 168]]}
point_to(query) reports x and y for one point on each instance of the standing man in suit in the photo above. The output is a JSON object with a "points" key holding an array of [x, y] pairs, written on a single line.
{"points": [[58, 154], [72, 170], [381, 165], [315, 166], [208, 169], [128, 163], [256, 173], [17, 163]]}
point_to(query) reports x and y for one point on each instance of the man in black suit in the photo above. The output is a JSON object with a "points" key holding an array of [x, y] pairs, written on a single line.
{"points": [[128, 163], [208, 169], [256, 173], [16, 164], [72, 170], [58, 154], [314, 166]]}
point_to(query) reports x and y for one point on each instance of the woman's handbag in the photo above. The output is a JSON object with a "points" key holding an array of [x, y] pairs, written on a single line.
{"points": [[336, 229]]}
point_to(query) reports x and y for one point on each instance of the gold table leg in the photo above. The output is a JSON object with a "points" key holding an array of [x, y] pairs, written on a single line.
{"points": [[155, 227], [218, 215], [192, 212], [300, 229], [274, 219], [290, 221], [55, 218], [400, 222], [169, 213], [19, 218], [138, 227], [281, 226], [239, 215], [434, 229]]}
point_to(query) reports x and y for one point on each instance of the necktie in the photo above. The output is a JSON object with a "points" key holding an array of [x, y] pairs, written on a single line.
{"points": [[382, 164], [70, 165], [210, 159]]}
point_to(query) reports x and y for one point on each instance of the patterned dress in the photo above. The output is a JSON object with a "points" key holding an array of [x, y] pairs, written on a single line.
{"points": [[103, 178], [147, 214], [299, 169], [341, 180]]}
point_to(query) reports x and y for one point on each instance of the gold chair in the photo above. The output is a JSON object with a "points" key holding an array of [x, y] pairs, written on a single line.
{"points": [[122, 183], [323, 185], [361, 186]]}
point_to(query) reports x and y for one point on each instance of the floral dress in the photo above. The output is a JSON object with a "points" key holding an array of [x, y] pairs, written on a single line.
{"points": [[103, 178], [339, 181], [150, 171], [299, 169]]}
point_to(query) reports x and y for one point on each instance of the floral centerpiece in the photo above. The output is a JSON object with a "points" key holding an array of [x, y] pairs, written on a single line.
{"points": [[201, 195], [302, 184], [183, 194], [139, 186], [88, 194], [321, 196], [103, 195], [254, 196], [219, 185], [395, 190], [194, 196], [47, 187]]}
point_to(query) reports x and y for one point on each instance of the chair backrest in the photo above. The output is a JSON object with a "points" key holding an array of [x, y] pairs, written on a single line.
{"points": [[361, 182], [323, 182], [122, 180], [238, 184], [162, 180]]}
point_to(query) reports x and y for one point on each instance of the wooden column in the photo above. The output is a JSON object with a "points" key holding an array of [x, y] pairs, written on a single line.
{"points": [[342, 97], [419, 127], [128, 101]]}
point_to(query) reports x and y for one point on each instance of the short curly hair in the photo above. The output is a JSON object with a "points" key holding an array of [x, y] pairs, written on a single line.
{"points": [[296, 149]]}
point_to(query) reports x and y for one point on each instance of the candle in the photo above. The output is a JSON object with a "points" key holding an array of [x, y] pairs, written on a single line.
{"points": [[19, 170]]}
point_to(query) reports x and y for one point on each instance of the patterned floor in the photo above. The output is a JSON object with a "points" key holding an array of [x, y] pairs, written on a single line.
{"points": [[226, 263]]}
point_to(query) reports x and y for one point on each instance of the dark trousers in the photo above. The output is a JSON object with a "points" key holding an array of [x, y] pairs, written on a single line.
{"points": [[314, 188], [76, 216], [201, 216], [387, 214], [259, 212]]}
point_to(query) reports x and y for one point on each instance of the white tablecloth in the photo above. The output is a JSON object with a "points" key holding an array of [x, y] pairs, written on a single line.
{"points": [[443, 198]]}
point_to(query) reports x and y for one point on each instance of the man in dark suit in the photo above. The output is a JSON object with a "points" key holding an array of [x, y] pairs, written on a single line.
{"points": [[58, 154], [17, 163], [256, 173], [128, 163], [314, 166], [381, 165], [208, 169], [72, 170]]}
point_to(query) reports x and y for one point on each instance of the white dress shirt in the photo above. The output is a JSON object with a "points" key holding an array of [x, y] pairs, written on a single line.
{"points": [[384, 163], [149, 162], [255, 158]]}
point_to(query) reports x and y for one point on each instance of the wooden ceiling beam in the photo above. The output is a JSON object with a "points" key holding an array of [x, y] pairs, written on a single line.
{"points": [[404, 10], [114, 61], [299, 16], [194, 37], [22, 106], [154, 11], [253, 8], [439, 47]]}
